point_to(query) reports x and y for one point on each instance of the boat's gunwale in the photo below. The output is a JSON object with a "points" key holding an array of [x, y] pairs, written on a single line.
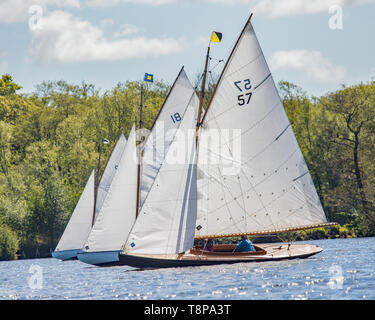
{"points": [[183, 260]]}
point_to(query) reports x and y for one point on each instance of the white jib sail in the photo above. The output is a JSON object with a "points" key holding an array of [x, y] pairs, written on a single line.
{"points": [[109, 173], [80, 222], [166, 221], [163, 131], [252, 176], [117, 216]]}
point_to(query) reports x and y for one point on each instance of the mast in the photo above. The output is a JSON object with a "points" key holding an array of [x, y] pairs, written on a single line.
{"points": [[166, 98], [226, 65], [97, 178], [96, 185], [202, 92], [168, 120], [140, 127], [269, 189], [117, 216]]}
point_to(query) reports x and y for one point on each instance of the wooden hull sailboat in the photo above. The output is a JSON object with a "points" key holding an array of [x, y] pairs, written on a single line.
{"points": [[222, 254], [217, 192]]}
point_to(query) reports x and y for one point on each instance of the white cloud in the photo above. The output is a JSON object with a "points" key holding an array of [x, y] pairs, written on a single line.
{"points": [[111, 3], [13, 11], [126, 30], [277, 8], [65, 38], [106, 22], [312, 63]]}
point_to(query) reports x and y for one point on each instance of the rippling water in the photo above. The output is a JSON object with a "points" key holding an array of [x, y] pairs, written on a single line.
{"points": [[344, 270]]}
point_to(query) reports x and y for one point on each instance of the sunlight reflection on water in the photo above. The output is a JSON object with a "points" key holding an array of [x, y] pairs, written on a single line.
{"points": [[317, 277]]}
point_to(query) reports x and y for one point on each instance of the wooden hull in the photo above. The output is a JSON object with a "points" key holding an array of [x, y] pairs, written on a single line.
{"points": [[265, 252]]}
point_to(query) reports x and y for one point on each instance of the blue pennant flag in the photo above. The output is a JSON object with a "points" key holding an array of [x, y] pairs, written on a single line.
{"points": [[149, 77]]}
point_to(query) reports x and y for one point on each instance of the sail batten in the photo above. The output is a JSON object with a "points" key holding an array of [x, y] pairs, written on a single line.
{"points": [[252, 176]]}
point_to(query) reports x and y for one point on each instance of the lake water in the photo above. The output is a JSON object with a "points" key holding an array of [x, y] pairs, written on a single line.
{"points": [[344, 270]]}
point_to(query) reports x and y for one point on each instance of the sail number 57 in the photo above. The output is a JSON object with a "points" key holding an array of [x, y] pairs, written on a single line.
{"points": [[243, 86]]}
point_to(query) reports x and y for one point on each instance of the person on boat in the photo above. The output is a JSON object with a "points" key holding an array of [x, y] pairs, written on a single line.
{"points": [[245, 245], [209, 245], [199, 244]]}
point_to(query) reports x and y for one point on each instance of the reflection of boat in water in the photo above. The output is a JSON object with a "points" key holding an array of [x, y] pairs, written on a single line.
{"points": [[265, 188]]}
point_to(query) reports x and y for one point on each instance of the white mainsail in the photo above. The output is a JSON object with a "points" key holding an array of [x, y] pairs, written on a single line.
{"points": [[166, 221], [163, 131], [79, 225], [252, 177], [117, 215], [109, 173]]}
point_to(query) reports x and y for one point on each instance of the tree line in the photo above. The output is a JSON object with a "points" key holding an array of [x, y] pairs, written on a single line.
{"points": [[49, 142]]}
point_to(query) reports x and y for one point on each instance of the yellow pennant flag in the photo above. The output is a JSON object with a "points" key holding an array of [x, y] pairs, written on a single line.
{"points": [[216, 36]]}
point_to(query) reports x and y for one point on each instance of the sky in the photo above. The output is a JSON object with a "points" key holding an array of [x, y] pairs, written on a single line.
{"points": [[317, 44]]}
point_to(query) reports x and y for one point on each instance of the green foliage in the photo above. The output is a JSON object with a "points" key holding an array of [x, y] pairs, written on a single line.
{"points": [[7, 86], [49, 144], [9, 243], [336, 135]]}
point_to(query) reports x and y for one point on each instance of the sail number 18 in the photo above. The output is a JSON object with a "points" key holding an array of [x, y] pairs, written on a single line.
{"points": [[243, 86], [176, 117]]}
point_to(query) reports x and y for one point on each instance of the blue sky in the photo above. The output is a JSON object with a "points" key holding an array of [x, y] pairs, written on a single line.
{"points": [[106, 42]]}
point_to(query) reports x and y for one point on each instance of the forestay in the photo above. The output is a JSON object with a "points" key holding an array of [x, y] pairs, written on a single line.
{"points": [[163, 131], [252, 177], [117, 215], [109, 173], [166, 221], [80, 222]]}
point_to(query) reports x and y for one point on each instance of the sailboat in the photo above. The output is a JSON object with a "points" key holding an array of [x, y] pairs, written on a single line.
{"points": [[131, 186], [244, 175], [117, 213], [87, 208]]}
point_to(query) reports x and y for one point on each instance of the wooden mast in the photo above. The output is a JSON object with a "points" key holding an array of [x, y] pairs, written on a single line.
{"points": [[140, 127], [96, 186], [199, 123], [96, 181], [202, 93], [225, 67]]}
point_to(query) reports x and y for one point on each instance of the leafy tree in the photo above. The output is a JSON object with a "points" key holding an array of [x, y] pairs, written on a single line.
{"points": [[355, 110], [49, 144], [7, 86], [9, 243]]}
